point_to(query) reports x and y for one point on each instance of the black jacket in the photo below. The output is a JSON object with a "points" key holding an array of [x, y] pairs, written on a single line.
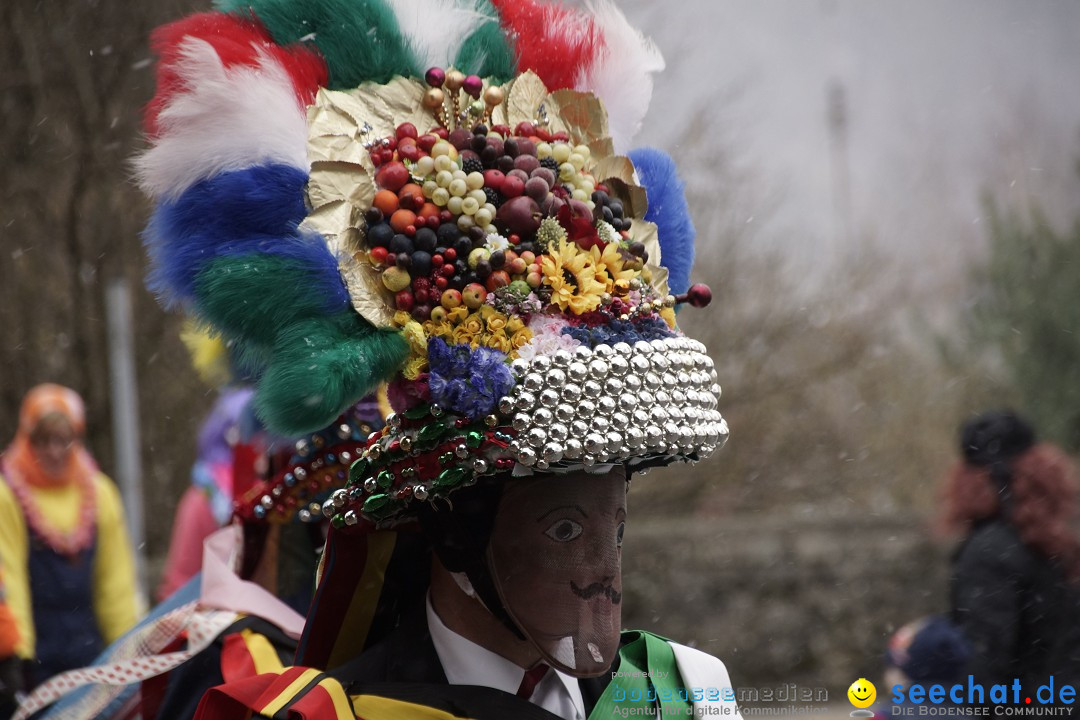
{"points": [[1017, 608]]}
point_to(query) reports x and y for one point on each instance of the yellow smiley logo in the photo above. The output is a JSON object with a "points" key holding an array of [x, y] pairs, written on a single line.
{"points": [[862, 693]]}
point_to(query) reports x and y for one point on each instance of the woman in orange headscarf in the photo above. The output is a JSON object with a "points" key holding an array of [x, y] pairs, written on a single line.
{"points": [[64, 547]]}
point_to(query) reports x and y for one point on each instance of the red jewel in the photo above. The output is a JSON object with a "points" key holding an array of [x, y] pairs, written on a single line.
{"points": [[462, 422], [395, 446], [504, 464], [404, 493]]}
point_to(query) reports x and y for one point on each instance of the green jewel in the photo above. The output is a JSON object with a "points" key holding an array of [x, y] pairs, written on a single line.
{"points": [[358, 471], [378, 506], [451, 477], [474, 439], [385, 479], [431, 432], [446, 458], [338, 521], [417, 413]]}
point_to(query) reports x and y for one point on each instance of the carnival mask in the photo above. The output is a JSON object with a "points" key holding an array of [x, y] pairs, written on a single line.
{"points": [[555, 557]]}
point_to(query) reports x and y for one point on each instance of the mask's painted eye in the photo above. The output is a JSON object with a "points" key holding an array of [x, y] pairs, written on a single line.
{"points": [[564, 530], [619, 534]]}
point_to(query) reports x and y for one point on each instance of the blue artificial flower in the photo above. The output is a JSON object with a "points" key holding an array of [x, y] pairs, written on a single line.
{"points": [[649, 328], [466, 380]]}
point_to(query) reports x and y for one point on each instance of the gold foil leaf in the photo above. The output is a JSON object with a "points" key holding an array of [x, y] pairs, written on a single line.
{"points": [[616, 166], [369, 296], [581, 113], [601, 148], [523, 101], [340, 181], [634, 199], [647, 234], [332, 218]]}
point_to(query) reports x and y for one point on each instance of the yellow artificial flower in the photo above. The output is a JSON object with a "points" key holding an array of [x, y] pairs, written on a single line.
{"points": [[473, 324], [456, 315], [439, 330], [461, 336], [514, 324], [669, 316], [496, 321], [402, 318], [611, 262], [414, 334], [575, 280], [497, 340], [521, 338], [413, 367]]}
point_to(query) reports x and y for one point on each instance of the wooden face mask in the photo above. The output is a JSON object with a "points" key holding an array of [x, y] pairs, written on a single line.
{"points": [[555, 557]]}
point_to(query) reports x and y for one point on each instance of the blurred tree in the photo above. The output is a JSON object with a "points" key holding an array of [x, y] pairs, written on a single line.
{"points": [[1027, 315]]}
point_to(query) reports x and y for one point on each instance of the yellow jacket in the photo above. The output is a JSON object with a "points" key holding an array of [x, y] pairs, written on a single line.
{"points": [[114, 593]]}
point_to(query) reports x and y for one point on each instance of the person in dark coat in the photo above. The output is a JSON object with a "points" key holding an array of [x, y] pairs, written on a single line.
{"points": [[1015, 576]]}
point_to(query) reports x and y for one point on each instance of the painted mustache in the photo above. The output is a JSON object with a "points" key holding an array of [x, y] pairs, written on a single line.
{"points": [[590, 591]]}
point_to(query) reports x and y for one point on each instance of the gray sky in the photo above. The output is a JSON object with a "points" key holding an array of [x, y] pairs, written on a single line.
{"points": [[944, 97]]}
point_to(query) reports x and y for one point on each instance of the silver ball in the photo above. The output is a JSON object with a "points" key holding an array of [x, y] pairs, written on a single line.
{"points": [[525, 400], [643, 347], [549, 398], [552, 452], [521, 421], [618, 365], [571, 392], [634, 437], [370, 484], [591, 389], [641, 418], [659, 361], [558, 432], [542, 416], [506, 404], [628, 401], [620, 420], [351, 518], [586, 409], [621, 348], [646, 399], [653, 435], [556, 378], [614, 442], [614, 385], [600, 423], [640, 364], [420, 492], [594, 443], [598, 368], [632, 383], [582, 353], [606, 404], [564, 412], [461, 451], [541, 363], [577, 371], [602, 350], [542, 464], [652, 381], [526, 456], [533, 382], [480, 466], [662, 398], [588, 460], [579, 429], [572, 449], [562, 357], [536, 437]]}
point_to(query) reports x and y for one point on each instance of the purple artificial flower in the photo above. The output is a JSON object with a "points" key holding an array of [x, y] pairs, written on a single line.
{"points": [[467, 381]]}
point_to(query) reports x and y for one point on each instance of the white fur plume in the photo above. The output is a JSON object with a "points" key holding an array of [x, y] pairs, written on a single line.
{"points": [[435, 29], [621, 75], [224, 119]]}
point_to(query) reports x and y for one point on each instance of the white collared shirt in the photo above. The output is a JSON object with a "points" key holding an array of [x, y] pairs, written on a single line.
{"points": [[466, 663]]}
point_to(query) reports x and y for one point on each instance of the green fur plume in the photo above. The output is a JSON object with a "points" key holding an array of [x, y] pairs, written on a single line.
{"points": [[359, 39]]}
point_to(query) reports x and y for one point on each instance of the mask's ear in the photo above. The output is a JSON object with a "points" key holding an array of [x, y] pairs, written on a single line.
{"points": [[668, 210]]}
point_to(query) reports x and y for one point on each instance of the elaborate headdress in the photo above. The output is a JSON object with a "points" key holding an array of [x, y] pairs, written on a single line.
{"points": [[427, 192]]}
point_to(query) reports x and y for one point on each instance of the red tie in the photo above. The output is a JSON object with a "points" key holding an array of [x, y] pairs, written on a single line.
{"points": [[531, 680]]}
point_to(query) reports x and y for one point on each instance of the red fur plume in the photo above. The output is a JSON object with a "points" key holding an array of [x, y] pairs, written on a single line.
{"points": [[237, 41], [555, 42]]}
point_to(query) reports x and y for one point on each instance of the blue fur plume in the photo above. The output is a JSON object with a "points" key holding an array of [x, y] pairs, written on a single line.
{"points": [[668, 209], [254, 210]]}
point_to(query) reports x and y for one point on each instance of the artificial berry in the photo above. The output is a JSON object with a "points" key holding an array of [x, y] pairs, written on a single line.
{"points": [[421, 262], [410, 230], [425, 239], [503, 130], [422, 296], [450, 254], [386, 202], [422, 283], [402, 219], [421, 313], [380, 235], [441, 282], [525, 128], [448, 270], [512, 186], [377, 255], [410, 152], [440, 132], [474, 295], [401, 244], [403, 260], [393, 176], [373, 215], [437, 261], [497, 279], [404, 300], [426, 142], [497, 259], [450, 299], [493, 179], [406, 130]]}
